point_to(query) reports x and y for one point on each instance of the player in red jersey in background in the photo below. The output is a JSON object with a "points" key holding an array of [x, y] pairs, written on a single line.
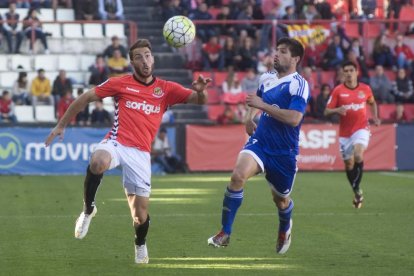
{"points": [[350, 100], [140, 101]]}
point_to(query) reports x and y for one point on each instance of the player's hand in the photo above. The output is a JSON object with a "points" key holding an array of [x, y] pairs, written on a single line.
{"points": [[377, 121], [57, 131], [250, 127], [255, 101], [200, 83], [341, 110]]}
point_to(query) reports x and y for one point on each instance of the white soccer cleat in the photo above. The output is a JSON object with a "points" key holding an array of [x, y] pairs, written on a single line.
{"points": [[283, 241], [141, 254], [82, 223]]}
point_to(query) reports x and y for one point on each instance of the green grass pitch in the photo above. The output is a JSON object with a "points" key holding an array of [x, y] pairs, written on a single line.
{"points": [[330, 237]]}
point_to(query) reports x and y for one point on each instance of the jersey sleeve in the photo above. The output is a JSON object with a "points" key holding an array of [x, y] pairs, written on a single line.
{"points": [[370, 95], [333, 99], [107, 88], [299, 90], [176, 93]]}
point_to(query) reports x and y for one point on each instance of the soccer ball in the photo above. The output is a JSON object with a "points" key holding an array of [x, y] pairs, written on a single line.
{"points": [[179, 31]]}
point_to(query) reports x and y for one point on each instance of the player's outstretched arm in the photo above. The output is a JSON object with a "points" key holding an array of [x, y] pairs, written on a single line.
{"points": [[338, 110], [199, 95], [78, 105]]}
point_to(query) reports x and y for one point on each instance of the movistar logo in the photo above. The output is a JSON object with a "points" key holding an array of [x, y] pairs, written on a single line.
{"points": [[10, 150]]}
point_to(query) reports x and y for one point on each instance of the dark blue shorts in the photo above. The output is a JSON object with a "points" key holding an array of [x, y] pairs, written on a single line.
{"points": [[280, 170]]}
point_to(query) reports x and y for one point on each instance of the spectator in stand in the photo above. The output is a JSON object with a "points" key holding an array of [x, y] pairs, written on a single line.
{"points": [[265, 64], [171, 8], [313, 87], [21, 89], [381, 86], [225, 29], [324, 9], [22, 4], [334, 55], [115, 45], [403, 87], [320, 105], [66, 4], [247, 55], [403, 53], [313, 55], [82, 118], [250, 82], [270, 9], [12, 28], [7, 108], [403, 91], [290, 13], [230, 51], [246, 14], [310, 13], [161, 154], [40, 90], [368, 8], [213, 54], [111, 9], [339, 76], [118, 65], [32, 25], [86, 9], [393, 11], [39, 4], [356, 55], [64, 104], [61, 84], [382, 54], [204, 31], [99, 71], [232, 84], [100, 116]]}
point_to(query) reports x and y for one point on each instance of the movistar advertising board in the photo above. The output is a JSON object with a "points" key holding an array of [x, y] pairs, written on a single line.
{"points": [[22, 150]]}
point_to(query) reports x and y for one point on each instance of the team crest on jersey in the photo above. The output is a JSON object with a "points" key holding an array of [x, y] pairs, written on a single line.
{"points": [[158, 93], [361, 94]]}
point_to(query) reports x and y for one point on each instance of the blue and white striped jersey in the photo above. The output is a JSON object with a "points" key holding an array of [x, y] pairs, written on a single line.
{"points": [[289, 92]]}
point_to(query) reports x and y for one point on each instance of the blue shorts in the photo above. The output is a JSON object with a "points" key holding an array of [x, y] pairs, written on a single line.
{"points": [[280, 170]]}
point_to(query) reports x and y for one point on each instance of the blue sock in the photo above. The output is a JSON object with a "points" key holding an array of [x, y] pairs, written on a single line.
{"points": [[231, 203], [284, 217]]}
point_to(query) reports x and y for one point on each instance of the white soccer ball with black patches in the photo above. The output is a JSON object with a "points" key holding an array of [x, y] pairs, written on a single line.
{"points": [[179, 31]]}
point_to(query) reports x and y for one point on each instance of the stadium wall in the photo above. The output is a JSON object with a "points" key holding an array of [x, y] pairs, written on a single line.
{"points": [[205, 148]]}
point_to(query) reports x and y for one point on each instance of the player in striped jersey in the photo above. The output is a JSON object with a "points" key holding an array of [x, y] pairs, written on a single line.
{"points": [[274, 142]]}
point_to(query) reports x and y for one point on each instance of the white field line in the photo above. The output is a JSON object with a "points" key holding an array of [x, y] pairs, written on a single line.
{"points": [[402, 175], [327, 214]]}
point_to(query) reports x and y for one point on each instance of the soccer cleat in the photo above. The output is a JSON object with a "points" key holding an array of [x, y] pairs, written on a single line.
{"points": [[358, 199], [82, 223], [283, 241], [221, 239], [141, 254]]}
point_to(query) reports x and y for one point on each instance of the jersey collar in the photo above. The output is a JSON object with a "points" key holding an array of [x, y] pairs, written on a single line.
{"points": [[143, 83]]}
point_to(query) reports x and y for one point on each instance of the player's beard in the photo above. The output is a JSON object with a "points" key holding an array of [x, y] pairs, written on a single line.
{"points": [[280, 68], [142, 73]]}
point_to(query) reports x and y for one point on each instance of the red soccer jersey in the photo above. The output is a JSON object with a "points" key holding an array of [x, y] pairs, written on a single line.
{"points": [[354, 100], [139, 108]]}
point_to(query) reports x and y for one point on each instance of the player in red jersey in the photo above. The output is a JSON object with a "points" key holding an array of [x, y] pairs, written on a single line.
{"points": [[140, 101], [350, 100]]}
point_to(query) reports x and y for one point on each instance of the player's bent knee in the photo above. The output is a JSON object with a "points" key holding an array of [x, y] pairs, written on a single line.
{"points": [[237, 180]]}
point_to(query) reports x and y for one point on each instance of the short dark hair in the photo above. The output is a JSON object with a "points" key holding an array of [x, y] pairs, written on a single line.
{"points": [[140, 43], [41, 70], [295, 47], [163, 130], [349, 63]]}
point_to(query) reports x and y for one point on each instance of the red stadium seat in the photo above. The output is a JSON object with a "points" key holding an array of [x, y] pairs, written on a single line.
{"points": [[219, 78], [213, 96], [328, 77], [409, 112], [351, 29], [387, 112], [371, 30], [214, 111]]}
